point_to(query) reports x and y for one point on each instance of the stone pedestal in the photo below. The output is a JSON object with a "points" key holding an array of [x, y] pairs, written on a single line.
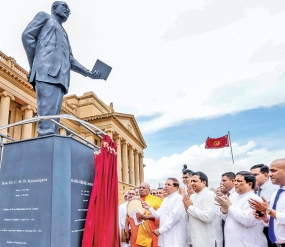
{"points": [[45, 185]]}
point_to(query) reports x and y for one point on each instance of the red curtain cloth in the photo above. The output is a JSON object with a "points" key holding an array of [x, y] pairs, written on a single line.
{"points": [[102, 226]]}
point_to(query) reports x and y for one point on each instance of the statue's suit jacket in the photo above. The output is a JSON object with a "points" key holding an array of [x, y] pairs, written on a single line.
{"points": [[49, 52]]}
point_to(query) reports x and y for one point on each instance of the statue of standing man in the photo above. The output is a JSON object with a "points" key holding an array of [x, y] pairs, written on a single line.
{"points": [[50, 58]]}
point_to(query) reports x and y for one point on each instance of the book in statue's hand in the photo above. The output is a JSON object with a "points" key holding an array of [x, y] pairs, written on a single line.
{"points": [[105, 69]]}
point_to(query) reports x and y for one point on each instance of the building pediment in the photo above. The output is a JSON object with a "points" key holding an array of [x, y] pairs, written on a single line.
{"points": [[130, 123]]}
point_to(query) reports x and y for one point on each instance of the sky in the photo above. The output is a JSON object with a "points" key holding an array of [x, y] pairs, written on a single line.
{"points": [[185, 69]]}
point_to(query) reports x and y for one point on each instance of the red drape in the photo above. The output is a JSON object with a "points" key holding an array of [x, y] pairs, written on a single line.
{"points": [[101, 226]]}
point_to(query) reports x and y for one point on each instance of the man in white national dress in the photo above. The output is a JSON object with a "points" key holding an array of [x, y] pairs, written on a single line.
{"points": [[172, 226]]}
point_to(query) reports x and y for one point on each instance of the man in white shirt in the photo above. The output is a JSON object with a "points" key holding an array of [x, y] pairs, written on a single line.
{"points": [[241, 227], [159, 193], [186, 179], [274, 215], [228, 188], [265, 188], [201, 210], [172, 226], [153, 192], [137, 190], [228, 183], [123, 214], [126, 197]]}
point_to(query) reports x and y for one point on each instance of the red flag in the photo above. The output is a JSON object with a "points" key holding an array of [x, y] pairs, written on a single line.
{"points": [[220, 142]]}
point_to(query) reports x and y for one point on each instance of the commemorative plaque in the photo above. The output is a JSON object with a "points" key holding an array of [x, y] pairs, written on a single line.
{"points": [[45, 185]]}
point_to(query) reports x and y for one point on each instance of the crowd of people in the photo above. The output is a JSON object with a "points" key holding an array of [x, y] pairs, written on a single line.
{"points": [[247, 210]]}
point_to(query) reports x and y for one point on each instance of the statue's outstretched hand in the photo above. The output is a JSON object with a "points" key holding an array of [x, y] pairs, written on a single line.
{"points": [[96, 74]]}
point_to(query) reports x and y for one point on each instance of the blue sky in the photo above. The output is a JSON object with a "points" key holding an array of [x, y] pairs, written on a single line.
{"points": [[186, 69], [265, 126], [257, 135]]}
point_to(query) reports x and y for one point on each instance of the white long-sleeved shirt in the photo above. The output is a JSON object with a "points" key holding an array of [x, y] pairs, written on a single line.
{"points": [[267, 189], [172, 226], [122, 219], [241, 227], [201, 215], [279, 222], [233, 194], [217, 220]]}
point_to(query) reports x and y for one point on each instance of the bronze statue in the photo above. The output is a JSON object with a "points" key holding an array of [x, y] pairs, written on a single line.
{"points": [[50, 58]]}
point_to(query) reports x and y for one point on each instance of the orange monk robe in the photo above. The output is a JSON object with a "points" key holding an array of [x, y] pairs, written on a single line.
{"points": [[146, 238], [134, 231]]}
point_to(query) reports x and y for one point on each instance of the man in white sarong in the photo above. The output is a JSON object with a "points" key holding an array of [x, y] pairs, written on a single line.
{"points": [[123, 214], [242, 229], [172, 226], [201, 210]]}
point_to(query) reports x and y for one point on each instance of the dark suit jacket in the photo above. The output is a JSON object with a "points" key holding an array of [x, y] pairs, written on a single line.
{"points": [[49, 52]]}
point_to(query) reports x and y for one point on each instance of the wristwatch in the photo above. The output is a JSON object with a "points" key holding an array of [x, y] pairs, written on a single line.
{"points": [[268, 210]]}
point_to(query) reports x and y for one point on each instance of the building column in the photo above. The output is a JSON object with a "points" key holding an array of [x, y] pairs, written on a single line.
{"points": [[141, 168], [27, 128], [90, 138], [35, 129], [125, 162], [119, 160], [4, 110], [132, 166], [109, 132], [137, 168], [62, 131], [18, 129]]}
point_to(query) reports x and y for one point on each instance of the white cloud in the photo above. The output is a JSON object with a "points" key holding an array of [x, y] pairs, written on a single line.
{"points": [[218, 71], [213, 162]]}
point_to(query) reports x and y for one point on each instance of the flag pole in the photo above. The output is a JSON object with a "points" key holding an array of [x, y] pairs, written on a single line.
{"points": [[231, 147]]}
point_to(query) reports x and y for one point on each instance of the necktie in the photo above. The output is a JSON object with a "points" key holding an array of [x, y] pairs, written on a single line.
{"points": [[259, 191], [271, 221]]}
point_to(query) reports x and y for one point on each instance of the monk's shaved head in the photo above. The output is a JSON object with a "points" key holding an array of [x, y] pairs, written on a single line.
{"points": [[144, 189], [277, 172], [144, 184]]}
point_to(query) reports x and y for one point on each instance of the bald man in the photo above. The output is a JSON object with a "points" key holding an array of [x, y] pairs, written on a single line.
{"points": [[274, 214], [145, 237]]}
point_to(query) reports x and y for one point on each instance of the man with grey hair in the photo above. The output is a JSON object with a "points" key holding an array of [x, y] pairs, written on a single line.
{"points": [[50, 59], [172, 226]]}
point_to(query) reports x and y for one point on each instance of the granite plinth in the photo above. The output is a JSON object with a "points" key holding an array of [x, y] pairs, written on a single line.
{"points": [[45, 185]]}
